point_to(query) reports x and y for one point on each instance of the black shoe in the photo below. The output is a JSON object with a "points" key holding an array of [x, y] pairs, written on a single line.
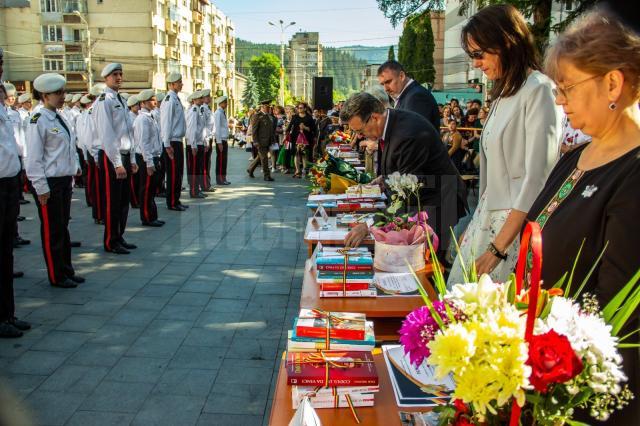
{"points": [[212, 189], [20, 325], [250, 174], [128, 246], [77, 279], [226, 182], [67, 283], [98, 221], [155, 224], [161, 222], [19, 241], [202, 194], [76, 244], [118, 249], [269, 179], [20, 218], [18, 274], [9, 331], [178, 208], [198, 196], [184, 206], [24, 201]]}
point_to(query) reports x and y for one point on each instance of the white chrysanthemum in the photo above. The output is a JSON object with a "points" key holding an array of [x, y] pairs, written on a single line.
{"points": [[478, 297]]}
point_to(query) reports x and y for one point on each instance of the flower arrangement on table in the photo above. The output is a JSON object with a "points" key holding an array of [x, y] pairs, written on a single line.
{"points": [[509, 349], [339, 137], [402, 236], [320, 174]]}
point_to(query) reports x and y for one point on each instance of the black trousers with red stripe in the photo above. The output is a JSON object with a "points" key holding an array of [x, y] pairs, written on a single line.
{"points": [[81, 181], [195, 167], [97, 188], [134, 184], [175, 171], [54, 228], [207, 164], [148, 187], [89, 189], [221, 162], [115, 200], [9, 196]]}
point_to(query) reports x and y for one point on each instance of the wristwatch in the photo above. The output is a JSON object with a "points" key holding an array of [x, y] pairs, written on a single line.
{"points": [[494, 251]]}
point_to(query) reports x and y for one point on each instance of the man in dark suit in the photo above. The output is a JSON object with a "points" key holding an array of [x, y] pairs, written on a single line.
{"points": [[411, 146], [264, 136], [407, 93]]}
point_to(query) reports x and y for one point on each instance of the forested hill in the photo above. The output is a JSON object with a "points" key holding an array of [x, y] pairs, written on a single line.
{"points": [[343, 66]]}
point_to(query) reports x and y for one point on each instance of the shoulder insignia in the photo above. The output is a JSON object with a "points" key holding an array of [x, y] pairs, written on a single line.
{"points": [[102, 97], [195, 108], [35, 117]]}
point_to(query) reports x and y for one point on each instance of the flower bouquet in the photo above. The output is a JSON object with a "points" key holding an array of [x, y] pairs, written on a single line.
{"points": [[512, 350], [401, 237], [321, 173], [339, 137]]}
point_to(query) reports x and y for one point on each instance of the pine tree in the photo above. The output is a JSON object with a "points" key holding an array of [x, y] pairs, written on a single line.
{"points": [[424, 69], [250, 95], [407, 47], [392, 54]]}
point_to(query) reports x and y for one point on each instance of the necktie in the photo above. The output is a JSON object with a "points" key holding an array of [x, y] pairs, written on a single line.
{"points": [[381, 144], [63, 124], [121, 101]]}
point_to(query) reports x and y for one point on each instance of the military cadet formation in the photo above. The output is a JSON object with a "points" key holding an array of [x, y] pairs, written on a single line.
{"points": [[124, 150]]}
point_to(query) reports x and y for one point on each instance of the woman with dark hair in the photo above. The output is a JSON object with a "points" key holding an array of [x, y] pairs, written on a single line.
{"points": [[301, 123], [520, 140]]}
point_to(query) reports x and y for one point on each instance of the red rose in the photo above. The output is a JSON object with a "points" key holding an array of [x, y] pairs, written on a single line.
{"points": [[552, 360]]}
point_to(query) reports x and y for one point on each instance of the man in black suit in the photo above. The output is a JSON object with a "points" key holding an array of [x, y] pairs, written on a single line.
{"points": [[407, 93], [411, 146]]}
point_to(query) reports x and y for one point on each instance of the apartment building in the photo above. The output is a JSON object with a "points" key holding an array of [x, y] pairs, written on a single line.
{"points": [[149, 37], [306, 63]]}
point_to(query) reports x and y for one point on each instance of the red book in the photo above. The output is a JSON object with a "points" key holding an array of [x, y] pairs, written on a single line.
{"points": [[345, 368], [344, 325], [348, 287]]}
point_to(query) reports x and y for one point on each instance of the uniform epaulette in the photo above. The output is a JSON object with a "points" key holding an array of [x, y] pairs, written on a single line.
{"points": [[102, 97], [195, 108], [35, 117]]}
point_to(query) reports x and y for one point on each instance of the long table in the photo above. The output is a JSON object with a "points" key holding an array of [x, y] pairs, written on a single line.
{"points": [[314, 234], [386, 312], [384, 412]]}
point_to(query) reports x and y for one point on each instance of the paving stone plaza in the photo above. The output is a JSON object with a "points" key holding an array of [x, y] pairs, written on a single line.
{"points": [[186, 330]]}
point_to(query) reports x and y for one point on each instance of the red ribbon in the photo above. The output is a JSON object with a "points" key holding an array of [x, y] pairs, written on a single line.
{"points": [[531, 238]]}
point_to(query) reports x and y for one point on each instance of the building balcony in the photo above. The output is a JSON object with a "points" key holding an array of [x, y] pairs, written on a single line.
{"points": [[197, 39], [71, 6], [172, 53], [172, 27], [158, 21], [197, 62], [75, 66], [197, 17]]}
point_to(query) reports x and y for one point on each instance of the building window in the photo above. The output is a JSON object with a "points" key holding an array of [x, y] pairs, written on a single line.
{"points": [[75, 63], [51, 33], [162, 37], [53, 63], [49, 6], [100, 30]]}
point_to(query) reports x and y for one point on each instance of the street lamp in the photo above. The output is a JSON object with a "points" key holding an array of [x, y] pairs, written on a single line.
{"points": [[283, 27], [88, 58]]}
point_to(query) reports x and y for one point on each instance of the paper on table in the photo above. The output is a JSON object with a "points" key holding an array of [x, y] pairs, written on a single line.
{"points": [[423, 375], [327, 235], [305, 415], [396, 283]]}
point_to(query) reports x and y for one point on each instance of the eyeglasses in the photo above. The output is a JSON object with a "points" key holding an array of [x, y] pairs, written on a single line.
{"points": [[363, 126], [476, 54], [565, 91]]}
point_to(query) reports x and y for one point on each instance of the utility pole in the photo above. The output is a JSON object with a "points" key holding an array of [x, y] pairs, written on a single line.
{"points": [[283, 27], [88, 58]]}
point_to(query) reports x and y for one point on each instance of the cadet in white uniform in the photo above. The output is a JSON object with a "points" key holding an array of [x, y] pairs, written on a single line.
{"points": [[115, 132], [92, 146], [222, 135], [161, 172], [10, 326], [134, 178], [195, 145], [208, 138], [172, 130], [148, 151], [50, 167]]}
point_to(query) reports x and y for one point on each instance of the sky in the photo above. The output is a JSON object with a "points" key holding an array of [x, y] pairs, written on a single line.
{"points": [[339, 22]]}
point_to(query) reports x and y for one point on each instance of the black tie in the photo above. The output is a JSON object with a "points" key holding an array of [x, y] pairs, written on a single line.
{"points": [[121, 101], [63, 125]]}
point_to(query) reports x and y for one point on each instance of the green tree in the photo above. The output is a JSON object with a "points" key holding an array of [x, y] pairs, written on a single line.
{"points": [[416, 47], [538, 10], [250, 95], [266, 70], [392, 54]]}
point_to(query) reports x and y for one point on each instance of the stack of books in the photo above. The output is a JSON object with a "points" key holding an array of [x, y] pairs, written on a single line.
{"points": [[341, 274], [367, 191], [338, 375]]}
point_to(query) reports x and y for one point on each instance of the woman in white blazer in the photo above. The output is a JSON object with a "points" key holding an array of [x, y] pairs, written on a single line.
{"points": [[520, 141]]}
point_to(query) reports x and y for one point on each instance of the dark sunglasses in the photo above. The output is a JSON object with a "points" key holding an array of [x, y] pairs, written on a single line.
{"points": [[476, 54]]}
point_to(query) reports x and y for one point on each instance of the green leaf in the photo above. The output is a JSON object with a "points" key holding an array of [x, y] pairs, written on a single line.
{"points": [[438, 276], [465, 275], [534, 398], [576, 423], [593, 268], [628, 345], [615, 303], [547, 308], [511, 290], [567, 290], [622, 316], [560, 281], [626, 336], [421, 290]]}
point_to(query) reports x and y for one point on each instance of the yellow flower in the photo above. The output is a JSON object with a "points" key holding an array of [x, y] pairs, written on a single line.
{"points": [[451, 350]]}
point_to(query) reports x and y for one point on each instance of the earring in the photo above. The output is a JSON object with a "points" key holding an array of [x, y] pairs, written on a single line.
{"points": [[612, 106]]}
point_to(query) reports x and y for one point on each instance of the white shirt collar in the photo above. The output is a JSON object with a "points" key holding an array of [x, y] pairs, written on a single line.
{"points": [[403, 89], [386, 123]]}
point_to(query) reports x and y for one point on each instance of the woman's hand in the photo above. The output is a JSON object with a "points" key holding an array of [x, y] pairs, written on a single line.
{"points": [[355, 237], [486, 263]]}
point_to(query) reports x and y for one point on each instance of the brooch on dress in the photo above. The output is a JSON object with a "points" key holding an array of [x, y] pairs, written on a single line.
{"points": [[589, 190]]}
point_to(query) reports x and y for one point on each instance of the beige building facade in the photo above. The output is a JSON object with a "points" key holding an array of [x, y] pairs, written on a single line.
{"points": [[149, 37], [306, 63]]}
